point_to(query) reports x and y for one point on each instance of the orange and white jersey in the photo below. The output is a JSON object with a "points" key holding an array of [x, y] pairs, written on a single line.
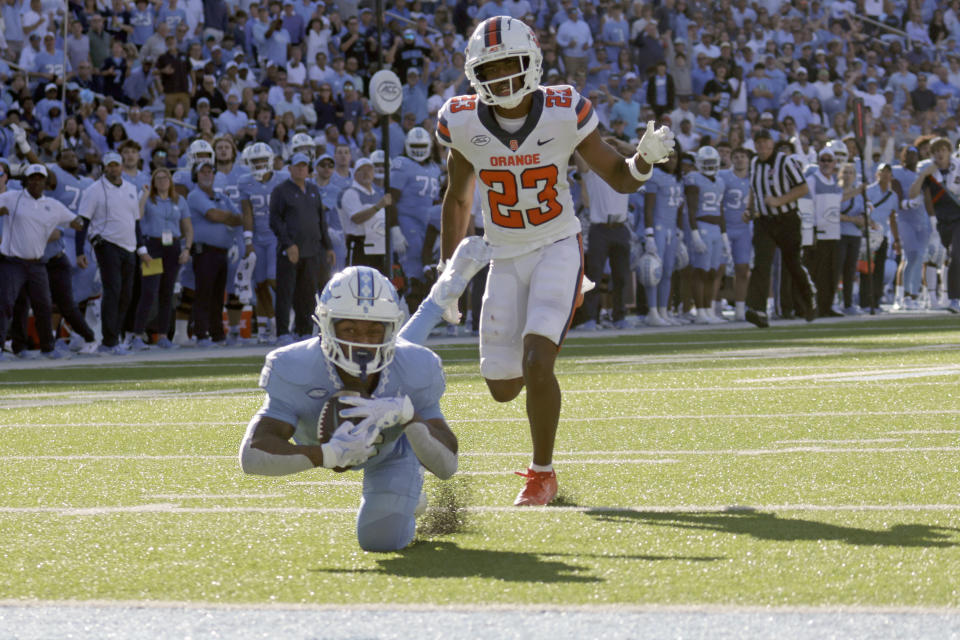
{"points": [[522, 175]]}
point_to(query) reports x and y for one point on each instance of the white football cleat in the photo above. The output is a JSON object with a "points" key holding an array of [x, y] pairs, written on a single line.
{"points": [[471, 255], [654, 319]]}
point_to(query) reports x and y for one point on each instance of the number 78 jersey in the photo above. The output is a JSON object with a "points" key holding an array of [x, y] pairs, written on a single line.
{"points": [[522, 176]]}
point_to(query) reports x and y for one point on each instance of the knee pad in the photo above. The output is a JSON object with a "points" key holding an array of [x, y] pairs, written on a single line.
{"points": [[389, 533]]}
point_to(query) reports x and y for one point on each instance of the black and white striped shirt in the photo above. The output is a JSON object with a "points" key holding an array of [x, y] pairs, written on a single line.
{"points": [[775, 177]]}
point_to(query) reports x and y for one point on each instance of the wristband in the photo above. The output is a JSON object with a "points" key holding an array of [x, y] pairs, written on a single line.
{"points": [[648, 231], [248, 235], [141, 251], [632, 166]]}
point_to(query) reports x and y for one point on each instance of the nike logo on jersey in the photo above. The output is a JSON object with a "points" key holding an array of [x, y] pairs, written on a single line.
{"points": [[543, 142]]}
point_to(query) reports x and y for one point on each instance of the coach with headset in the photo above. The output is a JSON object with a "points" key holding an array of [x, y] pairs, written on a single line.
{"points": [[111, 205]]}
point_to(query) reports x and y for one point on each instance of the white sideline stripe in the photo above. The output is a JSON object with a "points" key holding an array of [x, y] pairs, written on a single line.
{"points": [[573, 460], [325, 483], [924, 431], [120, 424], [723, 452], [868, 374], [480, 608], [213, 496], [850, 441], [169, 508]]}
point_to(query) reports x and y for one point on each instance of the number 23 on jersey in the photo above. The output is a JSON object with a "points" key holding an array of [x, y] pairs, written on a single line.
{"points": [[503, 193]]}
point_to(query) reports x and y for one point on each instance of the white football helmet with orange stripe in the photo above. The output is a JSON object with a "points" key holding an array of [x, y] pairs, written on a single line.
{"points": [[499, 38]]}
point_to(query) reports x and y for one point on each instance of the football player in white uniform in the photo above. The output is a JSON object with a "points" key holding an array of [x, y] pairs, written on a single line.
{"points": [[515, 138]]}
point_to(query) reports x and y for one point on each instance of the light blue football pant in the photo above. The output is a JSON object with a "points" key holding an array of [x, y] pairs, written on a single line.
{"points": [[914, 235], [666, 239], [391, 490]]}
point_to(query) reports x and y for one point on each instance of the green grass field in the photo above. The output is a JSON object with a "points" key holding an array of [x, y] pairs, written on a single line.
{"points": [[802, 465]]}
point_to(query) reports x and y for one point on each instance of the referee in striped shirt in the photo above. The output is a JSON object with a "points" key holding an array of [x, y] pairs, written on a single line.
{"points": [[776, 183]]}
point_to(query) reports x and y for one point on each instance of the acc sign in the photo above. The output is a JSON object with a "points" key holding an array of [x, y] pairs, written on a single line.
{"points": [[386, 92]]}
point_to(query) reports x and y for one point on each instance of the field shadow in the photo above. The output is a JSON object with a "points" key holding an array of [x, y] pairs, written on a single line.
{"points": [[769, 526], [444, 559]]}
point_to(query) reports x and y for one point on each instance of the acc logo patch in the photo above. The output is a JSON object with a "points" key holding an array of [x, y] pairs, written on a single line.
{"points": [[480, 140]]}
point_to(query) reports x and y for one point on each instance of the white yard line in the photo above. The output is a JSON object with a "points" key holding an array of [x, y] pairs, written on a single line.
{"points": [[171, 508]]}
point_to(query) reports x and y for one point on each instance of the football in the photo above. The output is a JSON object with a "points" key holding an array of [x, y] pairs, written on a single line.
{"points": [[330, 418]]}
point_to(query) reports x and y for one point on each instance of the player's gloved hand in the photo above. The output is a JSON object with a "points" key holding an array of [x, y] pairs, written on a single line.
{"points": [[679, 235], [233, 254], [350, 445], [20, 138], [655, 145], [398, 241], [696, 242], [649, 242], [934, 240], [381, 413], [727, 250]]}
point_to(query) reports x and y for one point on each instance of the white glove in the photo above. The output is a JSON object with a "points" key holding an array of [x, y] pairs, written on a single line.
{"points": [[655, 145], [350, 445], [20, 138], [650, 243], [398, 241], [233, 254], [381, 413], [727, 250], [696, 242], [679, 235]]}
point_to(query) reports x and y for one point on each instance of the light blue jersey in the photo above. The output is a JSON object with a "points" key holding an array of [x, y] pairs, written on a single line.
{"points": [[299, 380], [419, 186], [68, 191], [711, 193], [258, 195], [853, 208], [229, 183], [669, 192], [735, 195]]}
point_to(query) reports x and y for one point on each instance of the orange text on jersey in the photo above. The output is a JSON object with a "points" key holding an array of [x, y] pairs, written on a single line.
{"points": [[515, 161]]}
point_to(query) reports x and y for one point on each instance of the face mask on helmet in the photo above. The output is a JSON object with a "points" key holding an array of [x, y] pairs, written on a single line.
{"points": [[418, 144], [498, 40], [708, 161], [358, 293]]}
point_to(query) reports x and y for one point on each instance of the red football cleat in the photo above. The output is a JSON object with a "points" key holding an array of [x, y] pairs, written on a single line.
{"points": [[540, 489]]}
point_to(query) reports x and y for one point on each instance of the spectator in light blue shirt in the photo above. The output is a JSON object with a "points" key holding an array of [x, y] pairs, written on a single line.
{"points": [[415, 95]]}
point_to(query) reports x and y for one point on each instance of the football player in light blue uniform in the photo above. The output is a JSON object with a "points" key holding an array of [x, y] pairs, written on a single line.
{"points": [[885, 203], [737, 183], [183, 183], [70, 186], [704, 191], [915, 229], [662, 200], [415, 186], [255, 189], [227, 182], [392, 432]]}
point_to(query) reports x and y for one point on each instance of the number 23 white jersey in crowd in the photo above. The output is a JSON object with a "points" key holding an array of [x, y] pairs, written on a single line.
{"points": [[522, 175]]}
